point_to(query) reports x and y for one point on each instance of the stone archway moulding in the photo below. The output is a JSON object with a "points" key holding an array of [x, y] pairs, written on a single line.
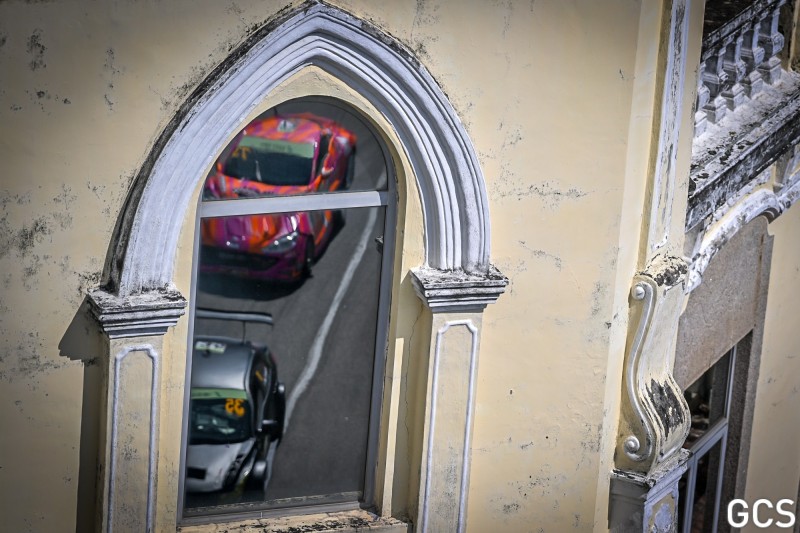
{"points": [[449, 178], [138, 303]]}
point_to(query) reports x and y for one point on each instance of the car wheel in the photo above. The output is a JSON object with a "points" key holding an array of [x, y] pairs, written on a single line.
{"points": [[308, 258], [339, 219], [351, 169]]}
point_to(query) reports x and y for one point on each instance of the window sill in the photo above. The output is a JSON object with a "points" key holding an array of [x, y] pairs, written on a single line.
{"points": [[356, 520]]}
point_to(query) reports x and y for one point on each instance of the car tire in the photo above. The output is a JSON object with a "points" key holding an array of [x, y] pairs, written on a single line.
{"points": [[308, 257], [279, 405], [339, 219], [351, 169]]}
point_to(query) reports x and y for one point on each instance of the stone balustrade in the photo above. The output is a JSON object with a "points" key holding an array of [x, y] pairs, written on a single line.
{"points": [[739, 56]]}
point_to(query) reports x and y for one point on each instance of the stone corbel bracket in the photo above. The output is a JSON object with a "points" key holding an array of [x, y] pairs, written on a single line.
{"points": [[137, 315], [655, 416]]}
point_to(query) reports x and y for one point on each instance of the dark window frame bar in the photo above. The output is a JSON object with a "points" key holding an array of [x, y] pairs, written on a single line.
{"points": [[717, 434]]}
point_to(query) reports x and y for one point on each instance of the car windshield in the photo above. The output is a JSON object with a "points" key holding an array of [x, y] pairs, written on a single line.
{"points": [[219, 416], [270, 161]]}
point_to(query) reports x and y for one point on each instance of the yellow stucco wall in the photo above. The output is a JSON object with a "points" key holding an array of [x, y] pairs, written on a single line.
{"points": [[774, 465], [88, 87], [546, 344]]}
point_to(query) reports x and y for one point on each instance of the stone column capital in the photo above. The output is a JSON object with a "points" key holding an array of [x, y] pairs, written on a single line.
{"points": [[647, 502], [137, 315], [454, 290]]}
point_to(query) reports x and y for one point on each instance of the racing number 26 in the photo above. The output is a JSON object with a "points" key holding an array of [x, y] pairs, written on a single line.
{"points": [[234, 406]]}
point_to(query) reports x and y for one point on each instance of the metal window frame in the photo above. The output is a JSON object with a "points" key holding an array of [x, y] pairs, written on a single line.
{"points": [[387, 199], [718, 433]]}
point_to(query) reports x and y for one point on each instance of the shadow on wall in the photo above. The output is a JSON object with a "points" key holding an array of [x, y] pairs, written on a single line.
{"points": [[83, 341]]}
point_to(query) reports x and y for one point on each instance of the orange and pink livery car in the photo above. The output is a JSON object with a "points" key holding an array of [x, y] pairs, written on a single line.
{"points": [[277, 156]]}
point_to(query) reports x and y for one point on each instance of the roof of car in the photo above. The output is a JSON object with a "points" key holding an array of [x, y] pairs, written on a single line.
{"points": [[219, 362], [297, 128]]}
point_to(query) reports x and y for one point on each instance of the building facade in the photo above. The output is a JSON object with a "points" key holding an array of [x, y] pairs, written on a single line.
{"points": [[544, 274]]}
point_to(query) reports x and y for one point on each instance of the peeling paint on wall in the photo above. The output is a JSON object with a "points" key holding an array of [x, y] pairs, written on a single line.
{"points": [[551, 195], [26, 362], [541, 254], [24, 239], [36, 50], [64, 200]]}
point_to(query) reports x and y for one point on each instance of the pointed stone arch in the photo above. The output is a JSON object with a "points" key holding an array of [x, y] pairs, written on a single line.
{"points": [[445, 165]]}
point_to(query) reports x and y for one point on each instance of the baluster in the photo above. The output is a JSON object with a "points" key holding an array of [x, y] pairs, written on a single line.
{"points": [[735, 68], [714, 77], [772, 42], [703, 95], [753, 55]]}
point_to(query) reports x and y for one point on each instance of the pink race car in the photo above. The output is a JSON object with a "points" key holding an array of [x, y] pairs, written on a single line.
{"points": [[281, 155]]}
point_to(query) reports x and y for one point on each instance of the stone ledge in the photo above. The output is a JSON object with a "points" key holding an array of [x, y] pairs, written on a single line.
{"points": [[734, 152], [143, 314], [343, 522], [455, 290]]}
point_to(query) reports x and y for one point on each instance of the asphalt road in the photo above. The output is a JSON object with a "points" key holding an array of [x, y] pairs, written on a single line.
{"points": [[323, 340]]}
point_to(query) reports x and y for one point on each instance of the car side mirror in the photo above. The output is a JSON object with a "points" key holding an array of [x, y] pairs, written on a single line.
{"points": [[269, 425], [274, 426], [327, 166]]}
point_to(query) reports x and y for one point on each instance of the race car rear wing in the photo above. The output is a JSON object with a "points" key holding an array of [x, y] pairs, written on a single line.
{"points": [[235, 316], [217, 314]]}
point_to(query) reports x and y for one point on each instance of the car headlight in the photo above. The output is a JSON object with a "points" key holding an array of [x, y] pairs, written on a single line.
{"points": [[209, 193], [283, 243]]}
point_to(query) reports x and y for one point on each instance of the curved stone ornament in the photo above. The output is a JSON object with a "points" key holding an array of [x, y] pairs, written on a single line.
{"points": [[633, 446], [655, 416]]}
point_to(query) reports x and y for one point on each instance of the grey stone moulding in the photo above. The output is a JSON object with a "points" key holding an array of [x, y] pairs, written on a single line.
{"points": [[730, 219], [751, 102], [383, 71], [444, 291], [145, 314], [742, 150]]}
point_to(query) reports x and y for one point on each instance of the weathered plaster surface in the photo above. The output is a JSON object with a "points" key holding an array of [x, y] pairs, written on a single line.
{"points": [[547, 180], [774, 465], [79, 106], [721, 313], [107, 80]]}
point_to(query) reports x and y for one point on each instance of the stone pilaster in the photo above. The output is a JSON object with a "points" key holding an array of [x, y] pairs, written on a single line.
{"points": [[456, 301], [130, 398], [654, 418]]}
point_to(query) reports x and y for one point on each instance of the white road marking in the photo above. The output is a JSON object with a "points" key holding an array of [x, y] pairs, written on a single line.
{"points": [[315, 354]]}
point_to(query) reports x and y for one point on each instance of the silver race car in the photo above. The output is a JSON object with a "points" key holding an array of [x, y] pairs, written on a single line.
{"points": [[236, 410]]}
